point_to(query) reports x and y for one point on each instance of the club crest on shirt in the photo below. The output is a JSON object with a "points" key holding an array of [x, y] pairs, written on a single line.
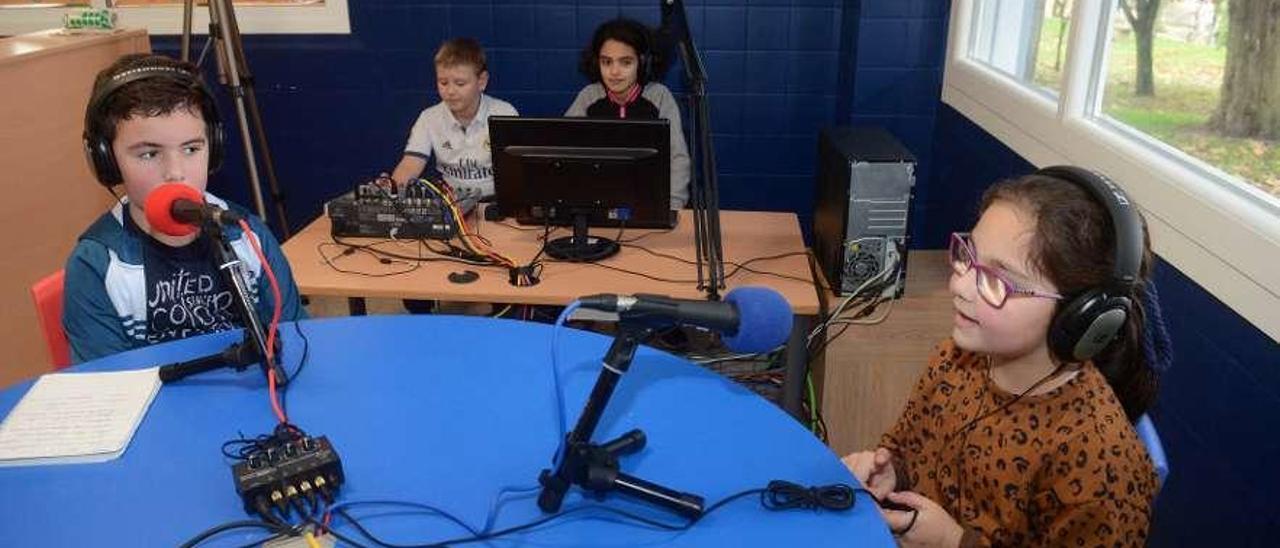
{"points": [[447, 145]]}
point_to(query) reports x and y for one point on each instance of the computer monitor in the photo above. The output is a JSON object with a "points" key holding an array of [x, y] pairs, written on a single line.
{"points": [[582, 172]]}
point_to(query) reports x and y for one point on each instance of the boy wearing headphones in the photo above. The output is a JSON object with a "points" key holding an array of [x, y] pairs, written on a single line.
{"points": [[624, 68], [151, 121]]}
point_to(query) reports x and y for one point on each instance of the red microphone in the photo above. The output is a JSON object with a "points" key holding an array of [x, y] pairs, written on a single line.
{"points": [[176, 209]]}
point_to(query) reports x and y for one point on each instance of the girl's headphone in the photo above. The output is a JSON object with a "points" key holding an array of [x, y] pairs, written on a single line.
{"points": [[1091, 320], [644, 72], [97, 144]]}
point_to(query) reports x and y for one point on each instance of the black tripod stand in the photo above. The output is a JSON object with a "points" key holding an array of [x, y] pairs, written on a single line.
{"points": [[253, 348], [595, 466], [233, 72]]}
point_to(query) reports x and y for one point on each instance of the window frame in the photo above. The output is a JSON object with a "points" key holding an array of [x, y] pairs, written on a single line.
{"points": [[1224, 236], [330, 18]]}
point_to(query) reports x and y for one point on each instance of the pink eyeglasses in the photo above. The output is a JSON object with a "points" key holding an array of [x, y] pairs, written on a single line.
{"points": [[993, 286]]}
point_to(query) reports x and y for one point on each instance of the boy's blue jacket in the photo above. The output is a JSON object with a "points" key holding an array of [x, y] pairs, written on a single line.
{"points": [[105, 296]]}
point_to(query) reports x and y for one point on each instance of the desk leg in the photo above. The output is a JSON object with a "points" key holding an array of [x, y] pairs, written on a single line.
{"points": [[793, 384], [356, 305]]}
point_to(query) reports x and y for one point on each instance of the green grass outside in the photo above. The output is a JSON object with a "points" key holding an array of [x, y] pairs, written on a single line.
{"points": [[1187, 80]]}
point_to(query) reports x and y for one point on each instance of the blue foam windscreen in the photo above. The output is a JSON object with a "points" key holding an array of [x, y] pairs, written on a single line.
{"points": [[765, 319]]}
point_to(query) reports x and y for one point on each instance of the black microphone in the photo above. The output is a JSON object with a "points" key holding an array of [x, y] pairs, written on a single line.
{"points": [[720, 316], [753, 319], [177, 209], [190, 212]]}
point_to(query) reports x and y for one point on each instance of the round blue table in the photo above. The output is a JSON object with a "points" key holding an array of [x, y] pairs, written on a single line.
{"points": [[444, 411]]}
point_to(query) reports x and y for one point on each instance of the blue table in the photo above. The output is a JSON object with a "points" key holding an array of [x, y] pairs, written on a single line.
{"points": [[444, 411]]}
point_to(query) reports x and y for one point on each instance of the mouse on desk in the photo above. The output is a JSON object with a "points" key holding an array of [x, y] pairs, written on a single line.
{"points": [[492, 212], [464, 277]]}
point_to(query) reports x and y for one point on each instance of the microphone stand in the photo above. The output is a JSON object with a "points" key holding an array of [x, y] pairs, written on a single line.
{"points": [[595, 466], [705, 197], [253, 347]]}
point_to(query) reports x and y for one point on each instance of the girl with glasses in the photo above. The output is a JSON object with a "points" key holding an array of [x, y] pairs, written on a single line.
{"points": [[1001, 442]]}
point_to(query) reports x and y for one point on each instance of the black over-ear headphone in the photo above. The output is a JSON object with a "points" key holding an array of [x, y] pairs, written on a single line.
{"points": [[1089, 322], [644, 72], [97, 145]]}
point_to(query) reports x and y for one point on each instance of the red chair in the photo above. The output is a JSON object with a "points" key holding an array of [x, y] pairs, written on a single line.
{"points": [[47, 294]]}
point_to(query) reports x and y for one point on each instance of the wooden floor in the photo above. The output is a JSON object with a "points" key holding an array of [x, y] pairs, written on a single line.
{"points": [[867, 373], [327, 307]]}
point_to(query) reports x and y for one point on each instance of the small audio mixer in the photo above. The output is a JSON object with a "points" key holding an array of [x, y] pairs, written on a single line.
{"points": [[414, 212], [289, 474]]}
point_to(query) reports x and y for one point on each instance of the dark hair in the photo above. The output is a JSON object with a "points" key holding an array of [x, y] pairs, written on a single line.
{"points": [[148, 97], [461, 51], [632, 33], [1074, 246]]}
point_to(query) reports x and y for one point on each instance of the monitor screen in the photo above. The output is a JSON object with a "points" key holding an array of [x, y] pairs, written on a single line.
{"points": [[590, 171]]}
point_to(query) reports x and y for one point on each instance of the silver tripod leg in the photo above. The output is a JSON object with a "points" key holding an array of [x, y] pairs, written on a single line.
{"points": [[229, 72]]}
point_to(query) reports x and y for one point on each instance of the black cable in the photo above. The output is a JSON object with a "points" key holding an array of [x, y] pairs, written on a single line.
{"points": [[657, 253], [329, 261], [455, 255], [246, 447], [827, 338], [640, 274], [778, 496], [306, 350], [646, 235], [114, 197], [365, 532], [784, 495], [980, 416], [772, 257], [231, 526], [738, 267]]}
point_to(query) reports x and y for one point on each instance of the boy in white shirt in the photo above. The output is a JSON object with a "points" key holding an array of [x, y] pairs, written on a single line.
{"points": [[456, 130]]}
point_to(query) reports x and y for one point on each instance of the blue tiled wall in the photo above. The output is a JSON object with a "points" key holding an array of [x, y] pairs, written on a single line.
{"points": [[896, 83], [1218, 411], [338, 108]]}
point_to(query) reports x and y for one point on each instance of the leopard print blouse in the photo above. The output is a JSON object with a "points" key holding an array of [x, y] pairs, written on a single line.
{"points": [[1064, 468]]}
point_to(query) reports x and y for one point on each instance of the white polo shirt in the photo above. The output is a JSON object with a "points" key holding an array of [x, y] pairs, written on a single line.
{"points": [[461, 152]]}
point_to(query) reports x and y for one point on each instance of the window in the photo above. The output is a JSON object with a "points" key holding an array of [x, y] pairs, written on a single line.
{"points": [[165, 16], [1022, 39], [1173, 99], [1174, 94]]}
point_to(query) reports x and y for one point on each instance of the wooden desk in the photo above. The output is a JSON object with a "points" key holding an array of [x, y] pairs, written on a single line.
{"points": [[746, 235], [866, 375], [50, 195]]}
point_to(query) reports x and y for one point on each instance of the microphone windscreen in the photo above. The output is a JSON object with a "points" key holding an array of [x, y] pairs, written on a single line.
{"points": [[159, 208], [765, 319]]}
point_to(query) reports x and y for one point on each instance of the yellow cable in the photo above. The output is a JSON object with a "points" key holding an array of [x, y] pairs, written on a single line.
{"points": [[463, 234], [311, 540]]}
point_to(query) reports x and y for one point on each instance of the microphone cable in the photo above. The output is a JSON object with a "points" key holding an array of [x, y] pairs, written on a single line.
{"points": [[777, 496], [272, 328]]}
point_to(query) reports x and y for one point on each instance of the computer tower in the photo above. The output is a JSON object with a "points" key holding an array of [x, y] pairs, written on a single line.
{"points": [[866, 180]]}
